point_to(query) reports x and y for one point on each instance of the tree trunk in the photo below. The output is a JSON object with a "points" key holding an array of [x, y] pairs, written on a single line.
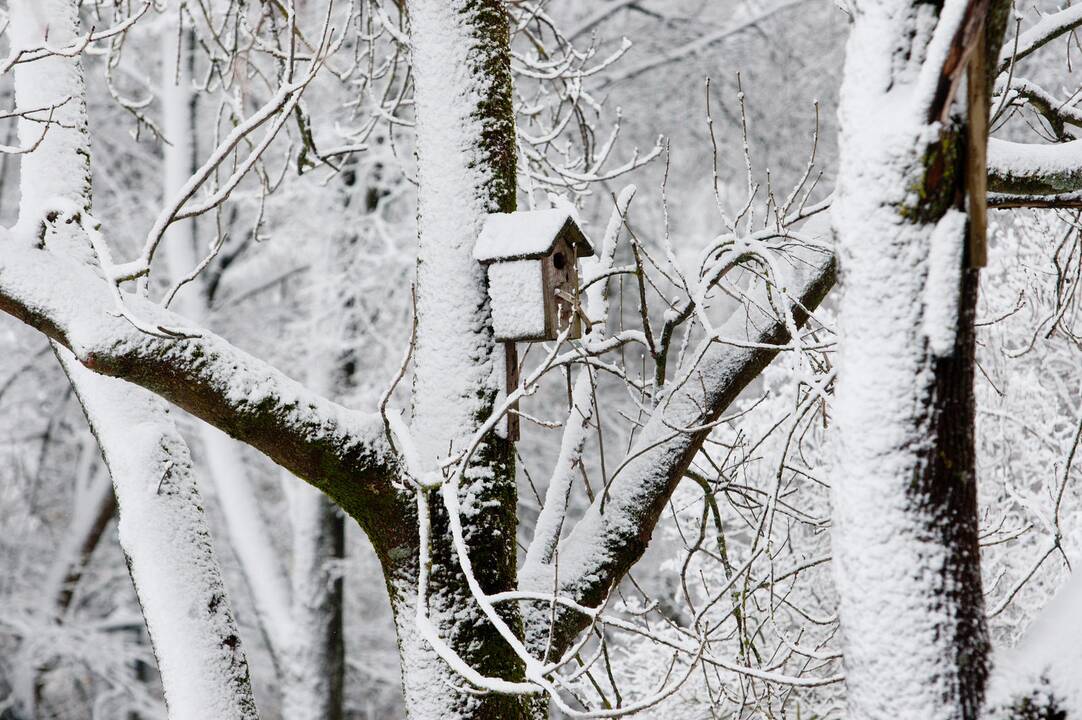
{"points": [[906, 550], [432, 688], [313, 670], [466, 168], [161, 525]]}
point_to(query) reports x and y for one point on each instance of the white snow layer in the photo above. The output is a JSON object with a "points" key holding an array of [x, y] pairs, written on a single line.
{"points": [[1024, 159], [60, 164], [943, 293], [454, 373], [1048, 659], [518, 299], [518, 235]]}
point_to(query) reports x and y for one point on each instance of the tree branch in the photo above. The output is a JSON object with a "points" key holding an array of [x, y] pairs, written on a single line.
{"points": [[699, 45], [1031, 169], [342, 452], [1056, 113], [1006, 201], [613, 534], [1045, 31]]}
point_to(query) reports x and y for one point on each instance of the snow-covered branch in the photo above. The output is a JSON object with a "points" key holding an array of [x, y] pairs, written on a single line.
{"points": [[1031, 169], [614, 532], [551, 519], [740, 23], [1057, 113], [1047, 29], [340, 451]]}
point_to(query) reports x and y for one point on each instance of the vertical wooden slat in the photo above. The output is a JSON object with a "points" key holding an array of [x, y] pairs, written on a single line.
{"points": [[511, 371], [977, 151]]}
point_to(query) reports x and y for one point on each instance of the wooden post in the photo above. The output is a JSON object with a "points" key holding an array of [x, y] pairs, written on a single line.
{"points": [[511, 366], [977, 102]]}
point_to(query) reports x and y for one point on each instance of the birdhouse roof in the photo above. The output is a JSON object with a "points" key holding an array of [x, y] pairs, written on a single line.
{"points": [[528, 234]]}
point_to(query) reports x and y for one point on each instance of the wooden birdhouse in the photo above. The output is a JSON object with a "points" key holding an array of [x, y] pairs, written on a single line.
{"points": [[533, 276]]}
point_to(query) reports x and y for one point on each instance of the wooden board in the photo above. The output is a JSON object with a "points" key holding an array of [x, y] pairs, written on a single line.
{"points": [[976, 170]]}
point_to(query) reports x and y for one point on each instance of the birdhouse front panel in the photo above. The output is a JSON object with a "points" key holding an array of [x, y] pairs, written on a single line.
{"points": [[517, 293], [562, 290]]}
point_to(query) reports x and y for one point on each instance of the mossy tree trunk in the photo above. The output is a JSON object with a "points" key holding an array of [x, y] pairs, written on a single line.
{"points": [[466, 169]]}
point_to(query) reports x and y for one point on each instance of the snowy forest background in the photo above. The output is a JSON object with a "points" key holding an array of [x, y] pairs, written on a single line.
{"points": [[316, 247]]}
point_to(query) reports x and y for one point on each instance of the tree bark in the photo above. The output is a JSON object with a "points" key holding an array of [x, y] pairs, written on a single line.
{"points": [[906, 551], [466, 168], [160, 521]]}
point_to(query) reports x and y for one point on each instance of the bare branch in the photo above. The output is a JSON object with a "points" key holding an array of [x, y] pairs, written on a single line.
{"points": [[615, 530]]}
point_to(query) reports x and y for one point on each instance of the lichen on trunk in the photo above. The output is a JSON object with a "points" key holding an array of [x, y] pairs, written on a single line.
{"points": [[466, 169]]}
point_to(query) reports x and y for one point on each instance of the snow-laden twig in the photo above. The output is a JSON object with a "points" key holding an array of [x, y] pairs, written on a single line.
{"points": [[28, 53]]}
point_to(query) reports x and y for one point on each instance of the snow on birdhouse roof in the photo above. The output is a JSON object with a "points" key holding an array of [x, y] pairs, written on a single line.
{"points": [[528, 234]]}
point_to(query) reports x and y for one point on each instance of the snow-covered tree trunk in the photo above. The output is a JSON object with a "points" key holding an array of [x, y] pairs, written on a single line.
{"points": [[466, 168], [300, 614], [161, 525], [905, 538], [312, 680]]}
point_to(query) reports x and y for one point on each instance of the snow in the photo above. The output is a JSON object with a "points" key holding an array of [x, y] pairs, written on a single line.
{"points": [[52, 82], [943, 292], [455, 377], [905, 283], [898, 548], [517, 292], [1049, 657], [523, 234], [1035, 168]]}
